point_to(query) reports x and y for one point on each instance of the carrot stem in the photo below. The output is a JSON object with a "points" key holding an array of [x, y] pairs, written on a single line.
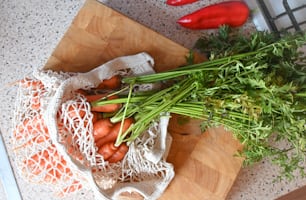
{"points": [[163, 104], [119, 139], [97, 102]]}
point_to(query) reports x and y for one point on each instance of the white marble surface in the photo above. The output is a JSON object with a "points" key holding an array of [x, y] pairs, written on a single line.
{"points": [[30, 30]]}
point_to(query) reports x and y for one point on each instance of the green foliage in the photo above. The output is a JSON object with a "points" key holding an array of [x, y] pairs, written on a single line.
{"points": [[270, 87], [254, 86]]}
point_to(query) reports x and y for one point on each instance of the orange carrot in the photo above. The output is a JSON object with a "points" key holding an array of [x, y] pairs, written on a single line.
{"points": [[37, 162], [101, 128], [35, 102], [119, 154], [56, 170], [111, 83], [50, 163], [75, 153], [30, 83], [76, 110], [23, 129], [39, 138], [108, 107], [30, 127], [94, 97], [52, 175], [62, 167], [81, 91], [76, 185], [113, 134], [96, 117], [107, 150]]}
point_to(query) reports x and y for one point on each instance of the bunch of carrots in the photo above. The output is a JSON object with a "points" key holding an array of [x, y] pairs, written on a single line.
{"points": [[48, 163], [104, 131]]}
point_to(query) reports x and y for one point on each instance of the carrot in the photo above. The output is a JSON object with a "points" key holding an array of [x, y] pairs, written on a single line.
{"points": [[111, 83], [108, 107], [101, 128], [81, 91], [62, 167], [35, 88], [49, 164], [76, 110], [76, 185], [96, 116], [75, 153], [94, 97], [31, 127], [39, 124], [52, 175], [56, 170], [113, 134], [23, 129], [33, 84], [107, 150], [35, 102], [39, 138], [119, 154], [37, 162]]}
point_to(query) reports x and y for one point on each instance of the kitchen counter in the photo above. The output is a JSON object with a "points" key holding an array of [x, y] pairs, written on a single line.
{"points": [[29, 32]]}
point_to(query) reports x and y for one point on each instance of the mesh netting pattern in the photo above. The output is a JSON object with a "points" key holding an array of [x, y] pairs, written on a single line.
{"points": [[54, 144]]}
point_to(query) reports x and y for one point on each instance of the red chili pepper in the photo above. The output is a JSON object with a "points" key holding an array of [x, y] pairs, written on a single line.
{"points": [[231, 13], [179, 2]]}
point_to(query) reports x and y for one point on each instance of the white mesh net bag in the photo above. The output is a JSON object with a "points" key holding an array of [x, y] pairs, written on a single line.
{"points": [[54, 144]]}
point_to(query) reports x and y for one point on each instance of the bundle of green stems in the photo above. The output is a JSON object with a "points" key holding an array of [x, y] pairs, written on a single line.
{"points": [[253, 86]]}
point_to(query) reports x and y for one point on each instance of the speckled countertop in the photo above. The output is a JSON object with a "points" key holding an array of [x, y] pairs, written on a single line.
{"points": [[30, 30]]}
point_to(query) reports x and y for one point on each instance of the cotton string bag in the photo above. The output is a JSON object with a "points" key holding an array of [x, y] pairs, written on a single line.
{"points": [[54, 144]]}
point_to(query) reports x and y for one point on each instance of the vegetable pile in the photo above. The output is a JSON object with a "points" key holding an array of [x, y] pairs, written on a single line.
{"points": [[31, 137], [105, 132], [252, 85], [61, 139]]}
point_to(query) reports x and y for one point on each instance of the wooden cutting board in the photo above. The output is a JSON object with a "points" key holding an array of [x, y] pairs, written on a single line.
{"points": [[204, 163]]}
